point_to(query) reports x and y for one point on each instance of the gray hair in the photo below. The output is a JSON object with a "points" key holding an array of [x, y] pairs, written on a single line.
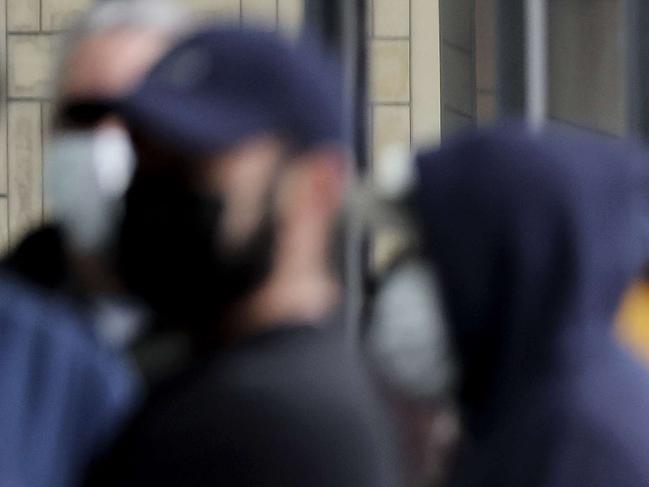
{"points": [[109, 15], [130, 14]]}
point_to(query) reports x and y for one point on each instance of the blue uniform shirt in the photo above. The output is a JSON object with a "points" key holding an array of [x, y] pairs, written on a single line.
{"points": [[62, 396]]}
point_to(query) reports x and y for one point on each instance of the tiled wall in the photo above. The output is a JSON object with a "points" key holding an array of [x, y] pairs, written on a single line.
{"points": [[404, 84], [423, 83], [30, 33], [405, 73], [390, 75]]}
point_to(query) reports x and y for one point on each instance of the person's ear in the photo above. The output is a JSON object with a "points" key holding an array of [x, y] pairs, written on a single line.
{"points": [[313, 186], [327, 171]]}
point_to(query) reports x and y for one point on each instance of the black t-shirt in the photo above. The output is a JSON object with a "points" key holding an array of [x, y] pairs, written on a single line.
{"points": [[290, 407]]}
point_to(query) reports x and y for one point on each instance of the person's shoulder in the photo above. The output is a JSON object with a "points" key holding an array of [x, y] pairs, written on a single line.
{"points": [[615, 381], [50, 362], [312, 377], [304, 362], [606, 408], [595, 451], [29, 309], [39, 258], [44, 329], [299, 371], [281, 402]]}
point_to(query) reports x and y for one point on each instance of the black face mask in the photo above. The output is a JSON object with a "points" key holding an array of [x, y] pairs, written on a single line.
{"points": [[168, 253]]}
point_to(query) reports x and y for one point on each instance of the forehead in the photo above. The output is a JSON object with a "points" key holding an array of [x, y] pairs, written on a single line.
{"points": [[111, 63]]}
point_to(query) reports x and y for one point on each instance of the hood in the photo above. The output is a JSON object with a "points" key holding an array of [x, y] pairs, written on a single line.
{"points": [[535, 238]]}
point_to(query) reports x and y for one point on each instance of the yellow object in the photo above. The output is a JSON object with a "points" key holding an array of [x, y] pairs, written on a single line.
{"points": [[633, 320]]}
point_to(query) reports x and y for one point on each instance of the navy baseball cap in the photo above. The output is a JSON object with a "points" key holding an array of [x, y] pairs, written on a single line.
{"points": [[222, 84]]}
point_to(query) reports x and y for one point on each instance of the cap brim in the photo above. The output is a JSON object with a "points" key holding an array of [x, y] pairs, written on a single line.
{"points": [[188, 125]]}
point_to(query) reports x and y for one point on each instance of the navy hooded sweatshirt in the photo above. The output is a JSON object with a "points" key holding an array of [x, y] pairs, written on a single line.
{"points": [[63, 397], [535, 239]]}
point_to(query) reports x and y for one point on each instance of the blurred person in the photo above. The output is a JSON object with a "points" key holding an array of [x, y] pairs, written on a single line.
{"points": [[406, 331], [104, 56], [535, 238], [633, 318], [426, 424], [63, 395], [227, 235]]}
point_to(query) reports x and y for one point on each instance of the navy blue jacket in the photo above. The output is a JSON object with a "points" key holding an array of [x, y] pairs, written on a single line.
{"points": [[62, 397], [535, 240]]}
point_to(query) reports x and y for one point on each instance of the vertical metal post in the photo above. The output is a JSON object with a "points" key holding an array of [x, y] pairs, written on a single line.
{"points": [[357, 70], [536, 63], [522, 60], [322, 19], [510, 57], [341, 24], [637, 85]]}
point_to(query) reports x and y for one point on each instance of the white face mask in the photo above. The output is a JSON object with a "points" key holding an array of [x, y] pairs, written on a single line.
{"points": [[86, 176]]}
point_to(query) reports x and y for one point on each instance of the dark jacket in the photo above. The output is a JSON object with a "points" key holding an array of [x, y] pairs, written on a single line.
{"points": [[535, 240], [40, 259], [287, 408], [62, 397]]}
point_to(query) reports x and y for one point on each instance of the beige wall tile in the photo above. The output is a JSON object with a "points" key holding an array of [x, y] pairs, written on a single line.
{"points": [[391, 17], [291, 16], [23, 15], [391, 125], [259, 12], [226, 10], [4, 226], [60, 14], [390, 66], [3, 103], [30, 64], [426, 99], [25, 168]]}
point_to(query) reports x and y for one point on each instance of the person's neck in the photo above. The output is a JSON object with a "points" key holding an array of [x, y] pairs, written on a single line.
{"points": [[285, 300]]}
